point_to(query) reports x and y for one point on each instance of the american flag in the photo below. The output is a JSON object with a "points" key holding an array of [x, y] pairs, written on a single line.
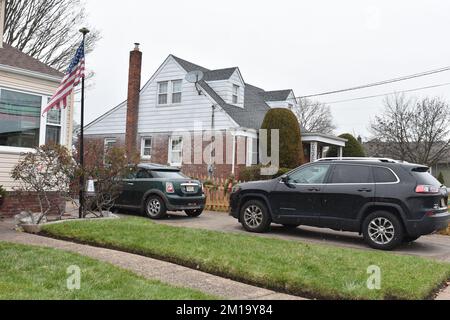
{"points": [[73, 76]]}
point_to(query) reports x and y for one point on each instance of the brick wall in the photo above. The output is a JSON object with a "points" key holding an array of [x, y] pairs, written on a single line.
{"points": [[160, 154], [14, 204]]}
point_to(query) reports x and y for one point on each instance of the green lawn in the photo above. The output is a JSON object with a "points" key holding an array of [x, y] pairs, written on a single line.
{"points": [[289, 266], [34, 273]]}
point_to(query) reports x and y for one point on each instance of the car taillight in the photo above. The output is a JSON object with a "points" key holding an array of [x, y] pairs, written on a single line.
{"points": [[426, 189], [169, 187]]}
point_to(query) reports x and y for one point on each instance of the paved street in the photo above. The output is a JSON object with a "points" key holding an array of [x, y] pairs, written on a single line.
{"points": [[434, 246]]}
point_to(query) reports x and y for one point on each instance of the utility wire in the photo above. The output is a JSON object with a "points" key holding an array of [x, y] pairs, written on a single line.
{"points": [[375, 84], [386, 94]]}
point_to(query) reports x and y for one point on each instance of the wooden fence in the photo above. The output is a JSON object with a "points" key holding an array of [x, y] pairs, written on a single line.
{"points": [[217, 192]]}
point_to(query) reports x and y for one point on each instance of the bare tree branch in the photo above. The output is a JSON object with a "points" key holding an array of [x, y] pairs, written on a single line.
{"points": [[413, 131], [47, 29], [315, 116]]}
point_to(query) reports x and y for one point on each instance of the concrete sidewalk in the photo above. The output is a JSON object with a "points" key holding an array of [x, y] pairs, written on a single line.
{"points": [[150, 268]]}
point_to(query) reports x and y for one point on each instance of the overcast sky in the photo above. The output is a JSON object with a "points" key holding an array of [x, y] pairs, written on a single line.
{"points": [[309, 46]]}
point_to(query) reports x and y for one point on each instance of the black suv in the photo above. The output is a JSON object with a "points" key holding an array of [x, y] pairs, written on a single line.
{"points": [[387, 201]]}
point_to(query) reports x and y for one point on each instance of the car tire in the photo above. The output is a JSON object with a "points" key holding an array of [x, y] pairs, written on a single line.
{"points": [[409, 239], [155, 208], [255, 217], [382, 230], [194, 213]]}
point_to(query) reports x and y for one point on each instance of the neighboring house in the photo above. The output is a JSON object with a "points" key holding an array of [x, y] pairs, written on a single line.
{"points": [[26, 85], [167, 106]]}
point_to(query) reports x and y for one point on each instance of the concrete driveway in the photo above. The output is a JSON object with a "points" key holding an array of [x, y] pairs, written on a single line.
{"points": [[433, 246]]}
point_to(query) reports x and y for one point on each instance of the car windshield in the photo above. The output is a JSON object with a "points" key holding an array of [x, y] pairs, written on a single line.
{"points": [[168, 175]]}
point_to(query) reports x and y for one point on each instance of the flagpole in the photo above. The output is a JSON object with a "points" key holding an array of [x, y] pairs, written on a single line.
{"points": [[84, 31]]}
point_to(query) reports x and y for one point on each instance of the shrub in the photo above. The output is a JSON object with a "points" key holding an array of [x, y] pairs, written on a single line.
{"points": [[352, 148], [441, 178], [291, 149], [49, 169], [107, 174], [2, 192]]}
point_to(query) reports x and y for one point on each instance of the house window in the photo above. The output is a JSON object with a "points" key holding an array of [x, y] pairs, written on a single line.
{"points": [[255, 159], [176, 151], [146, 147], [109, 144], [54, 128], [163, 88], [20, 118], [252, 152], [235, 94], [176, 91]]}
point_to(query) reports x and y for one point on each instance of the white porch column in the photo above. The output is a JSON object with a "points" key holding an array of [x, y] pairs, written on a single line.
{"points": [[314, 152], [341, 152]]}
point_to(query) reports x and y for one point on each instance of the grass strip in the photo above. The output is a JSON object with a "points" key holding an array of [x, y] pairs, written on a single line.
{"points": [[309, 270]]}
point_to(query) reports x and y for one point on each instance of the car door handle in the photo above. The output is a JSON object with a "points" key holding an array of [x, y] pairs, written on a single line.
{"points": [[130, 184], [314, 189], [365, 190]]}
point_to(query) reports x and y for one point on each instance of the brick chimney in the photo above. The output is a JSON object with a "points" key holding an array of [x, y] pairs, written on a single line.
{"points": [[134, 86], [2, 21]]}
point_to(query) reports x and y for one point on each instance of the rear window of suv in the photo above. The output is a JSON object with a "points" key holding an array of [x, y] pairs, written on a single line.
{"points": [[351, 174], [384, 175], [424, 177]]}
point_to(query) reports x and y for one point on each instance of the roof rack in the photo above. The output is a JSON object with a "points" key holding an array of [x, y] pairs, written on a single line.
{"points": [[385, 160]]}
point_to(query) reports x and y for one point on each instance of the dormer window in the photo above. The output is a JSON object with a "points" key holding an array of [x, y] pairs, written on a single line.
{"points": [[235, 94]]}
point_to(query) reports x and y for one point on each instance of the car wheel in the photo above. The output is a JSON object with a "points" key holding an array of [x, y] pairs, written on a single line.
{"points": [[255, 217], [155, 208], [408, 239], [194, 213], [383, 230], [291, 226]]}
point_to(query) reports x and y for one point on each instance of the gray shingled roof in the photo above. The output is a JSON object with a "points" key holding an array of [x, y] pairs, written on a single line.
{"points": [[222, 74], [210, 75], [189, 66], [10, 56], [252, 115], [280, 95], [255, 106]]}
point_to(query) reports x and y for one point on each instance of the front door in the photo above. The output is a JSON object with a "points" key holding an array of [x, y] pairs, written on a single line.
{"points": [[299, 198], [350, 188]]}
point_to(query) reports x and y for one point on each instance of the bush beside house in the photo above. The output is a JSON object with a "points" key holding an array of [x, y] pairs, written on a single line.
{"points": [[441, 178], [352, 149], [45, 175], [291, 148]]}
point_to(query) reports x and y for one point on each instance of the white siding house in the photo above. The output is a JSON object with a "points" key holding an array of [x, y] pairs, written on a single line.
{"points": [[26, 85], [221, 101]]}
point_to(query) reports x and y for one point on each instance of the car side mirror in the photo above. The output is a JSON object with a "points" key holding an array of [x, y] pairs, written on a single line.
{"points": [[285, 179]]}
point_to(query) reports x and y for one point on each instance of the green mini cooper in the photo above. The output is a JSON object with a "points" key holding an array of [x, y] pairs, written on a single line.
{"points": [[155, 189]]}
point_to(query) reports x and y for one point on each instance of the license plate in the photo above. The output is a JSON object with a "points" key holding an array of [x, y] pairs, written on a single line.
{"points": [[190, 189]]}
